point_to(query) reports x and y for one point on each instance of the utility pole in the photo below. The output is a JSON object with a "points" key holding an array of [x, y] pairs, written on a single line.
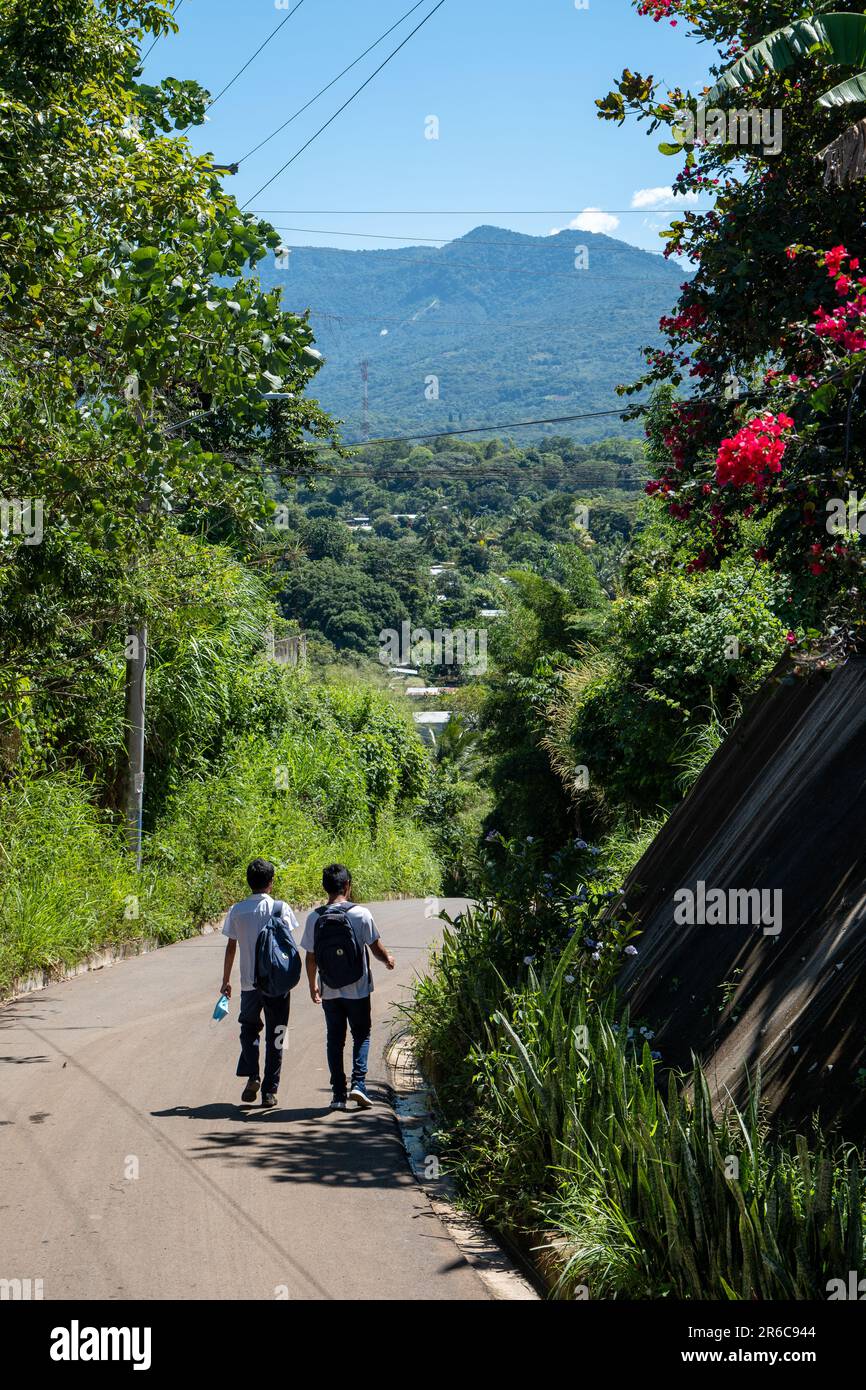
{"points": [[135, 692], [136, 699], [136, 664]]}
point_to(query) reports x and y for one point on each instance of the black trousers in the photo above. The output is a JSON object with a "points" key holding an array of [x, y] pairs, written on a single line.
{"points": [[276, 1014]]}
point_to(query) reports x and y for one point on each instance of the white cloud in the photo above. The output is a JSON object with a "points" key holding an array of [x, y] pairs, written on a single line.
{"points": [[590, 220], [660, 198]]}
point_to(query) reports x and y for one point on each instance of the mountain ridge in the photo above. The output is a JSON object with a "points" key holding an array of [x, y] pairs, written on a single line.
{"points": [[460, 335]]}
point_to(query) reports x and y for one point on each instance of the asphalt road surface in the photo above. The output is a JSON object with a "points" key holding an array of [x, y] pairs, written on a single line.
{"points": [[130, 1169]]}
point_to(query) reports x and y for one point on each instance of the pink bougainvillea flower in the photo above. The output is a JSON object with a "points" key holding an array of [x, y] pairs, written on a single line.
{"points": [[754, 452]]}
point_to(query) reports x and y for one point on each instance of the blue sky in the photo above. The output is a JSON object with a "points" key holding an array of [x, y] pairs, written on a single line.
{"points": [[512, 84]]}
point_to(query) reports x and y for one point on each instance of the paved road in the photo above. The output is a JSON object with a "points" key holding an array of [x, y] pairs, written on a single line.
{"points": [[123, 1070]]}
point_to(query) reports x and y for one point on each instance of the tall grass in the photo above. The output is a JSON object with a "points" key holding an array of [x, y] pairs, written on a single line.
{"points": [[338, 783], [556, 1127], [64, 877]]}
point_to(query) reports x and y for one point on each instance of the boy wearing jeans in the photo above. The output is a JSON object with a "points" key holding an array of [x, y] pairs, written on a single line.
{"points": [[348, 1006], [242, 926]]}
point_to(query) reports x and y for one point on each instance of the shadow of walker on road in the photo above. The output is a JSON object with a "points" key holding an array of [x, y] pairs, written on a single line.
{"points": [[318, 1146]]}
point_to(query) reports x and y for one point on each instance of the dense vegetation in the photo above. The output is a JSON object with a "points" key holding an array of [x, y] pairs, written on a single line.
{"points": [[356, 546], [627, 631], [137, 462], [604, 701]]}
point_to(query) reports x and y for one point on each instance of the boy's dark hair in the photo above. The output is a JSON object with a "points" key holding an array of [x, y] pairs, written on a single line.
{"points": [[336, 878], [260, 875]]}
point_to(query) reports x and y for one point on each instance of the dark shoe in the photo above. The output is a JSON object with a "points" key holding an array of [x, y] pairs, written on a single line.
{"points": [[359, 1093], [251, 1089], [337, 1103], [269, 1100]]}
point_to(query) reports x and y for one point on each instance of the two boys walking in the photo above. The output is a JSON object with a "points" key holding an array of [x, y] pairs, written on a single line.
{"points": [[337, 939]]}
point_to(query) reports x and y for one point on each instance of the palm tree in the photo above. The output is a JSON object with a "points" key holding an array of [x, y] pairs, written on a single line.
{"points": [[842, 38], [457, 746]]}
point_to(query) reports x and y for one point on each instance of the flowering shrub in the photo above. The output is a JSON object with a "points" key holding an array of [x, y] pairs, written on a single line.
{"points": [[768, 335], [844, 323], [754, 451], [658, 10]]}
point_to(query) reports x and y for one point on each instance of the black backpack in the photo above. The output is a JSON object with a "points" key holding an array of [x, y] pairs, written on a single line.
{"points": [[339, 954], [278, 960]]}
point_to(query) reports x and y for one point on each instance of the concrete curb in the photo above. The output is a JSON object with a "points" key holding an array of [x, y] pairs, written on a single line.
{"points": [[99, 960], [415, 1116]]}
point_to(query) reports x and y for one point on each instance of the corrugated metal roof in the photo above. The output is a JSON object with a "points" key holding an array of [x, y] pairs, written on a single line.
{"points": [[782, 805]]}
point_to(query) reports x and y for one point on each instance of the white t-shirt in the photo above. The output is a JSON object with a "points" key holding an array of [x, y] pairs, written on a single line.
{"points": [[367, 931], [243, 923]]}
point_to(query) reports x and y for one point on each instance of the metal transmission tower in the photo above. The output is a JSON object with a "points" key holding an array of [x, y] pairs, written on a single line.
{"points": [[365, 401]]}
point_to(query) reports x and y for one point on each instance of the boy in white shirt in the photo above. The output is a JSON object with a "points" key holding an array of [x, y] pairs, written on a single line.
{"points": [[336, 939], [242, 926]]}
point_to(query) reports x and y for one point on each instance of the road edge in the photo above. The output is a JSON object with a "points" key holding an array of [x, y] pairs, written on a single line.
{"points": [[415, 1118], [47, 976]]}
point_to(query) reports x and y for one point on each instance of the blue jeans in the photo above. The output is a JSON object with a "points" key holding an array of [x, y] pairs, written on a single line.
{"points": [[355, 1013], [276, 1012]]}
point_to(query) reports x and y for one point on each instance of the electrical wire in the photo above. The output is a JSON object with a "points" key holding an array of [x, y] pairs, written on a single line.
{"points": [[322, 90], [410, 237], [159, 36], [346, 103], [213, 101], [462, 212]]}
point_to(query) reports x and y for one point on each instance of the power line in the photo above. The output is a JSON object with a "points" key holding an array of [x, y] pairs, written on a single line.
{"points": [[421, 319], [159, 36], [463, 212], [482, 429], [487, 471], [460, 263], [330, 84], [411, 237], [346, 103], [638, 406], [213, 101]]}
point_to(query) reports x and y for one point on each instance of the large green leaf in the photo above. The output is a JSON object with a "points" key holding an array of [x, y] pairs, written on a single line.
{"points": [[843, 36], [848, 93]]}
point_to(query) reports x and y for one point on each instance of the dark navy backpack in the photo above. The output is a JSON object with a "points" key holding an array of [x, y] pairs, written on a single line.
{"points": [[340, 955], [278, 960]]}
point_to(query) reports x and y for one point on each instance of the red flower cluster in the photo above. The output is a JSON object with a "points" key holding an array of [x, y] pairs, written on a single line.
{"points": [[833, 260], [685, 322], [753, 452], [659, 9], [845, 324], [842, 325]]}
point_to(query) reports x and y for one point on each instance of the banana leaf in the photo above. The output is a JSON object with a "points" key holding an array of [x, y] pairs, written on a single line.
{"points": [[847, 93], [843, 36]]}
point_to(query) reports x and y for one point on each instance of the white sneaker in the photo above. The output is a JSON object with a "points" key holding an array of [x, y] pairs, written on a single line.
{"points": [[337, 1104]]}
